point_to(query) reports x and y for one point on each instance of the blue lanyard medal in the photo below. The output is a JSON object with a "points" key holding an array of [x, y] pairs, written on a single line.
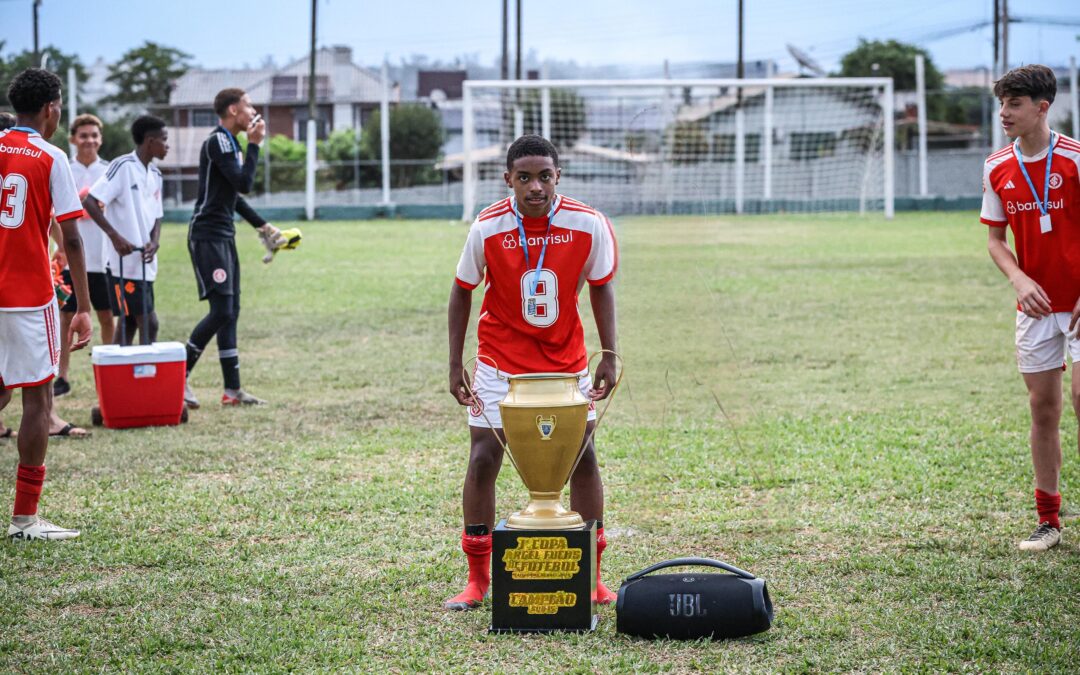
{"points": [[1044, 205], [530, 302]]}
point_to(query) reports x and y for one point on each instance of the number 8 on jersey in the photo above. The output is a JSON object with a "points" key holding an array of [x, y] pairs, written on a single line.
{"points": [[540, 310]]}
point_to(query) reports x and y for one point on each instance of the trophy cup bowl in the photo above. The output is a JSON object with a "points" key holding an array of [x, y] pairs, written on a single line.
{"points": [[544, 418]]}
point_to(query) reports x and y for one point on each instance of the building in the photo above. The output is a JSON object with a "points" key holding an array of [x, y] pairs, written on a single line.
{"points": [[346, 94]]}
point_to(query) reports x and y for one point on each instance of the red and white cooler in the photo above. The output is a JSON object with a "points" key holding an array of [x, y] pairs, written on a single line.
{"points": [[140, 385]]}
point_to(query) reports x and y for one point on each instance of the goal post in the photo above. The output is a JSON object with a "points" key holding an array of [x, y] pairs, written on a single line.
{"points": [[691, 146]]}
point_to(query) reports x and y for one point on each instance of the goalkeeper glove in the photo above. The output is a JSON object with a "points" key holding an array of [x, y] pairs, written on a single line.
{"points": [[271, 238], [289, 239]]}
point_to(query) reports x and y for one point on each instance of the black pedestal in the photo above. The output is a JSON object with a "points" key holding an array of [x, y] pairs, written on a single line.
{"points": [[543, 580]]}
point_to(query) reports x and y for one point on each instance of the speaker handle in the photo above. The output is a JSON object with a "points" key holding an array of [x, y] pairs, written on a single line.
{"points": [[677, 562]]}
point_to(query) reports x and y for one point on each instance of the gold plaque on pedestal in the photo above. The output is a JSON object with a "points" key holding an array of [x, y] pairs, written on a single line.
{"points": [[544, 418]]}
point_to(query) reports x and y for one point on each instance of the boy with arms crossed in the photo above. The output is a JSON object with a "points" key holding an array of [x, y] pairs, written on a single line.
{"points": [[131, 193], [534, 251], [36, 182], [1033, 188]]}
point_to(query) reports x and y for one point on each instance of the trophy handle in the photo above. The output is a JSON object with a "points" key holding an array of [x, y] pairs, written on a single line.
{"points": [[468, 387], [611, 395], [600, 415]]}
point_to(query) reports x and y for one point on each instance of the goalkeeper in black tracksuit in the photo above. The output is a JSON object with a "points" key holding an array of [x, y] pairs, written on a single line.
{"points": [[223, 175]]}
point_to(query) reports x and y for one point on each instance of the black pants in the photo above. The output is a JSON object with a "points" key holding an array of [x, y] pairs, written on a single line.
{"points": [[217, 273]]}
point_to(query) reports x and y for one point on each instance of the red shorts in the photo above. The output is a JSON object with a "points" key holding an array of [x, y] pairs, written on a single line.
{"points": [[29, 346]]}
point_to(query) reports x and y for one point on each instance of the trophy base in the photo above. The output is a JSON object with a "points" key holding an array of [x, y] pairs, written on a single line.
{"points": [[545, 512], [543, 581]]}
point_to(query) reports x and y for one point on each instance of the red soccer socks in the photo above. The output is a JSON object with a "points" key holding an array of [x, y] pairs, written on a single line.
{"points": [[604, 596], [477, 548], [28, 482], [1048, 506]]}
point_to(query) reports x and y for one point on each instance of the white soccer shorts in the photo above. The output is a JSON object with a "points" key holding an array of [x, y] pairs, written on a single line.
{"points": [[1041, 344], [491, 390], [29, 346]]}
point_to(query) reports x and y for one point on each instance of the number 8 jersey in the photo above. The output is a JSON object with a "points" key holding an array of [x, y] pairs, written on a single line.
{"points": [[523, 331], [35, 182]]}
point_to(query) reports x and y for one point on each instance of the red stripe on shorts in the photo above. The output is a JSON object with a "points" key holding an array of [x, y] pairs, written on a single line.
{"points": [[51, 335]]}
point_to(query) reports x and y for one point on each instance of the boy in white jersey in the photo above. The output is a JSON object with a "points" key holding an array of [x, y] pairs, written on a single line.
{"points": [[86, 167], [131, 193]]}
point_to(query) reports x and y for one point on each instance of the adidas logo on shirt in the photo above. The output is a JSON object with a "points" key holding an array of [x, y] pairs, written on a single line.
{"points": [[1009, 185]]}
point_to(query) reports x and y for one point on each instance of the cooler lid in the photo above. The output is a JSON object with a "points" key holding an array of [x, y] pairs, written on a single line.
{"points": [[158, 352]]}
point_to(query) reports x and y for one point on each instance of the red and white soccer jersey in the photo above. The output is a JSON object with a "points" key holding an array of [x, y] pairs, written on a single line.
{"points": [[1052, 258], [541, 333], [35, 181]]}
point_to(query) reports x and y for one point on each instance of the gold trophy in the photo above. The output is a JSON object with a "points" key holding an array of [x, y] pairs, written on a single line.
{"points": [[543, 575], [544, 420], [544, 417]]}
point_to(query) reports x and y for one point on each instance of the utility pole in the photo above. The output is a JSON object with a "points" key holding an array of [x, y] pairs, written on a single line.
{"points": [[309, 159], [504, 71], [740, 71], [37, 50], [1004, 36], [517, 68], [311, 65], [997, 39]]}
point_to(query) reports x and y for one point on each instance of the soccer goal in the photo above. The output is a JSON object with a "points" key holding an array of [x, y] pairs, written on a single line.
{"points": [[691, 146]]}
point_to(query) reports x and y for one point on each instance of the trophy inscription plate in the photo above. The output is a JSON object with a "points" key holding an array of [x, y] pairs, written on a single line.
{"points": [[543, 580]]}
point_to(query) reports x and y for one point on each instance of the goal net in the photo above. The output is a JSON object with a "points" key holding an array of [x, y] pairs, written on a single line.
{"points": [[691, 146]]}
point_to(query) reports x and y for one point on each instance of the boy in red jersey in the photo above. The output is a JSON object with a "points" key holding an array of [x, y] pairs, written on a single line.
{"points": [[1033, 187], [35, 182], [534, 251]]}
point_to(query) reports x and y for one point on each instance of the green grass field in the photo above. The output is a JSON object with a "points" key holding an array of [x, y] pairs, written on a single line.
{"points": [[828, 401]]}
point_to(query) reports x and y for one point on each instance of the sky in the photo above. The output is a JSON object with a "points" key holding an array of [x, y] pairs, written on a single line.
{"points": [[221, 34]]}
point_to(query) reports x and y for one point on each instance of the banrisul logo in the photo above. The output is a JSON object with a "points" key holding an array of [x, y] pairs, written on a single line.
{"points": [[513, 239], [1022, 207]]}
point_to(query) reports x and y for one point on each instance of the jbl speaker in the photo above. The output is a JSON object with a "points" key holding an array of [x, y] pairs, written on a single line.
{"points": [[693, 604]]}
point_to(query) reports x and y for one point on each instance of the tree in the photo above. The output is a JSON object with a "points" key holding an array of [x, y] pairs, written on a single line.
{"points": [[689, 144], [890, 59], [567, 116], [56, 61], [145, 75], [287, 164], [416, 133], [342, 151]]}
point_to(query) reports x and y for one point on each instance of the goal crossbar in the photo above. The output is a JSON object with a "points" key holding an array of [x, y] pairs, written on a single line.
{"points": [[862, 179]]}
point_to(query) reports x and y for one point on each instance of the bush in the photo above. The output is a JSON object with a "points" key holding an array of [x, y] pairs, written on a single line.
{"points": [[416, 133]]}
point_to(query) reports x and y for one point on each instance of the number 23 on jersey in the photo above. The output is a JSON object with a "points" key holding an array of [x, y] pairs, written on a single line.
{"points": [[12, 200]]}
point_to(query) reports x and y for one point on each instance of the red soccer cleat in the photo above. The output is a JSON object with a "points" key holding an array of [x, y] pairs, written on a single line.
{"points": [[604, 596], [477, 549], [471, 598]]}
